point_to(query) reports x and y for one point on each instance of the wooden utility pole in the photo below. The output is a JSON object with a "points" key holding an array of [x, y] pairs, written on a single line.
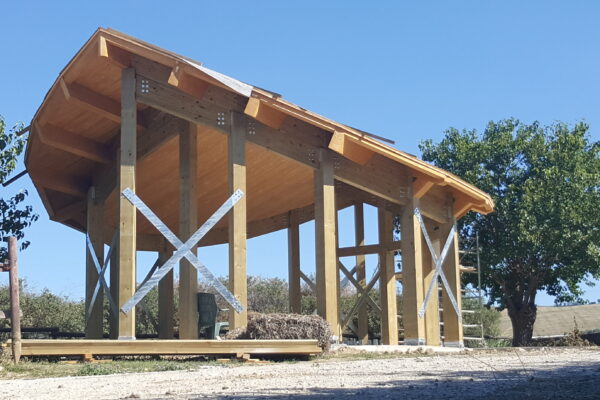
{"points": [[15, 312]]}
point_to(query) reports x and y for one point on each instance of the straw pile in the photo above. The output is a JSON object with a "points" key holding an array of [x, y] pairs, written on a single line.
{"points": [[285, 326]]}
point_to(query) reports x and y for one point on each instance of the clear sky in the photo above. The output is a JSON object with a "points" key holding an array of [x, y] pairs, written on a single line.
{"points": [[403, 70]]}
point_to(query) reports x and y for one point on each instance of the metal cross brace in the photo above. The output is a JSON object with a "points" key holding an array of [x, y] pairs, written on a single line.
{"points": [[439, 272], [101, 280], [362, 299], [182, 250]]}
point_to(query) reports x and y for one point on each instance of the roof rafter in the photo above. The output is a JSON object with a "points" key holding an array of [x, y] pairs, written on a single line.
{"points": [[73, 143], [95, 102]]}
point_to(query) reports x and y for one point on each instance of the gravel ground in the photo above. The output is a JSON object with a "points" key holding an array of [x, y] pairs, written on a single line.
{"points": [[507, 374]]}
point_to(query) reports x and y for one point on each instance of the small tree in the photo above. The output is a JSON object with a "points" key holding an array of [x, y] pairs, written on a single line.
{"points": [[545, 231], [14, 217]]}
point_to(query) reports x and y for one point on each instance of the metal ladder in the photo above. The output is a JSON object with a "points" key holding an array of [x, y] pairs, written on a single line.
{"points": [[474, 293]]}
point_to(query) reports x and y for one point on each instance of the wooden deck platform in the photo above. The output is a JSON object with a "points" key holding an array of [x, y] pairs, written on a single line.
{"points": [[70, 347]]}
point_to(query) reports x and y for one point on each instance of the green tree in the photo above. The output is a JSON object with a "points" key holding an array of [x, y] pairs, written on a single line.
{"points": [[545, 231], [15, 216]]}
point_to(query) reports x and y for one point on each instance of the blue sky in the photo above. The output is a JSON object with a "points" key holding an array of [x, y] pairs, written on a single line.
{"points": [[404, 70]]}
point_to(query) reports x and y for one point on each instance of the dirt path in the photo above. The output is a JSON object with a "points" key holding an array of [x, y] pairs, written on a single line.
{"points": [[539, 374]]}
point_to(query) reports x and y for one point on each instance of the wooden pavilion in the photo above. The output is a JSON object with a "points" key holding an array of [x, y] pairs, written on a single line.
{"points": [[126, 114]]}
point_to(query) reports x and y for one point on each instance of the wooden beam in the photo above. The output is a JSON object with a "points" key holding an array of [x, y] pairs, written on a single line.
{"points": [[265, 114], [69, 211], [58, 182], [73, 143], [295, 294], [166, 304], [188, 224], [66, 347], [186, 82], [368, 249], [387, 280], [115, 55], [326, 258], [432, 313], [412, 273], [127, 212], [361, 272], [94, 325], [380, 176], [93, 101], [461, 206], [421, 186], [237, 222], [350, 149]]}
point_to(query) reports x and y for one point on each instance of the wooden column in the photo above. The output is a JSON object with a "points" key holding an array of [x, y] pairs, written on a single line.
{"points": [[325, 238], [412, 273], [432, 313], [114, 291], [387, 280], [453, 326], [166, 306], [127, 213], [294, 263], [94, 326], [237, 223], [361, 276], [15, 306], [188, 224]]}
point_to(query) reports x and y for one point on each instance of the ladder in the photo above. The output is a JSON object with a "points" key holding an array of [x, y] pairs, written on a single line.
{"points": [[470, 263]]}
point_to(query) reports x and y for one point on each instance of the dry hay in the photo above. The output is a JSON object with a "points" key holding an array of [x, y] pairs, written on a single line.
{"points": [[284, 326]]}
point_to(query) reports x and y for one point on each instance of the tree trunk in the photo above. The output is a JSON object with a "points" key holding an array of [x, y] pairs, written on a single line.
{"points": [[522, 319]]}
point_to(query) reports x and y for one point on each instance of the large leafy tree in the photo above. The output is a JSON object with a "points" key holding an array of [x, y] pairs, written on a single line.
{"points": [[544, 234], [14, 215]]}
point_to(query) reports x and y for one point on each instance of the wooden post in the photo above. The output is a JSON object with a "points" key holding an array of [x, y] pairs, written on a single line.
{"points": [[237, 222], [453, 325], [15, 310], [326, 257], [412, 273], [114, 291], [361, 275], [166, 306], [127, 212], [94, 325], [387, 280], [188, 224], [432, 313], [294, 263]]}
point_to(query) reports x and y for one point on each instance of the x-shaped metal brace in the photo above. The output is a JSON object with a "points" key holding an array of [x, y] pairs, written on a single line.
{"points": [[101, 269], [439, 261], [182, 250]]}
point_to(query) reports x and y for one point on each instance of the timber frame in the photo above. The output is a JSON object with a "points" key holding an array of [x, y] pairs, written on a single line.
{"points": [[125, 113]]}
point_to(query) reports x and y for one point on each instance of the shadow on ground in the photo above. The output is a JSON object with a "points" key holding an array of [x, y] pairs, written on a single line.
{"points": [[579, 382]]}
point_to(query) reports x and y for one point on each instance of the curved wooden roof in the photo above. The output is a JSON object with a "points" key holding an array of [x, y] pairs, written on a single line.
{"points": [[74, 137]]}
